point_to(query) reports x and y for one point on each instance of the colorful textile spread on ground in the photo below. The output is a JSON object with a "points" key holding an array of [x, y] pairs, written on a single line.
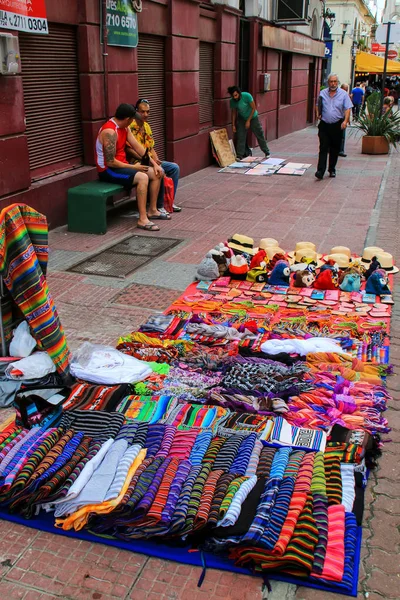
{"points": [[250, 441], [23, 263]]}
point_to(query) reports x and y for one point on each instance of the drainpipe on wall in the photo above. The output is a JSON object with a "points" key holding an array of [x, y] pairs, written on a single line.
{"points": [[105, 53], [278, 102]]}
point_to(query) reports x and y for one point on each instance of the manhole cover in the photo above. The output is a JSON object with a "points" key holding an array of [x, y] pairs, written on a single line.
{"points": [[144, 246], [125, 257]]}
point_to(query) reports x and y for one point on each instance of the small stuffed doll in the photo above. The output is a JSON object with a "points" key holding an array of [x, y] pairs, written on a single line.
{"points": [[377, 283], [220, 259], [374, 265], [351, 281], [257, 275], [259, 260], [330, 265], [280, 274], [304, 279], [238, 267], [326, 280]]}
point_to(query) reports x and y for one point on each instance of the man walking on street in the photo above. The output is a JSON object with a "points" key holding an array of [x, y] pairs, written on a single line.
{"points": [[245, 117], [333, 110], [357, 97]]}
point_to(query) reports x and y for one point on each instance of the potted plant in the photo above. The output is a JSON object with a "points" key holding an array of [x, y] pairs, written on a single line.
{"points": [[380, 130]]}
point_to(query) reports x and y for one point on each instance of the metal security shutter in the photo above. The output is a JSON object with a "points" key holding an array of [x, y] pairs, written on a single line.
{"points": [[51, 99], [151, 64], [206, 76]]}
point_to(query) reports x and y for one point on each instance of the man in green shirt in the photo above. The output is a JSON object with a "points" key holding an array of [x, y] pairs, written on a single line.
{"points": [[244, 117]]}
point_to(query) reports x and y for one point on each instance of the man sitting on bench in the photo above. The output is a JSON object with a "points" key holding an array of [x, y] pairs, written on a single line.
{"points": [[113, 167]]}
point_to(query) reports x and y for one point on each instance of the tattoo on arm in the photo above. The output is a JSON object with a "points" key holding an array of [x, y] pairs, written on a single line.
{"points": [[110, 146]]}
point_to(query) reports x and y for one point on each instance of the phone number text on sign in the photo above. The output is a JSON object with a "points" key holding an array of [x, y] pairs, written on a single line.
{"points": [[10, 20], [123, 21]]}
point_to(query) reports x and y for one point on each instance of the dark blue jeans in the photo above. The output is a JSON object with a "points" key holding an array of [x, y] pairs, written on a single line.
{"points": [[171, 170]]}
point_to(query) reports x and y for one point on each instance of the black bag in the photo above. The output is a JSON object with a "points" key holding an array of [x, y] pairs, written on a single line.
{"points": [[145, 158]]}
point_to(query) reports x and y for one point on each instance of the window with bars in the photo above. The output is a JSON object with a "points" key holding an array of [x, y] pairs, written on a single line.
{"points": [[206, 85]]}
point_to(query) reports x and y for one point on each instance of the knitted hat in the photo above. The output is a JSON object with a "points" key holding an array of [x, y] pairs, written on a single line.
{"points": [[238, 265], [280, 274], [274, 260], [326, 280], [377, 283], [208, 269], [258, 259]]}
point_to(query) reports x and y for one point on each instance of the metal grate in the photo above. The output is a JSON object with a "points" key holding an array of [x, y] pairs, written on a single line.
{"points": [[151, 80], [51, 99], [125, 257], [206, 81]]}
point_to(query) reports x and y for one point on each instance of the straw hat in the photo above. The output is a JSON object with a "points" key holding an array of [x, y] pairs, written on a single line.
{"points": [[386, 261], [272, 250], [304, 256], [301, 246], [265, 242], [342, 260], [242, 243], [369, 252], [341, 250]]}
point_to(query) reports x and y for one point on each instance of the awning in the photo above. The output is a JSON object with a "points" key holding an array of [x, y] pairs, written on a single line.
{"points": [[370, 63]]}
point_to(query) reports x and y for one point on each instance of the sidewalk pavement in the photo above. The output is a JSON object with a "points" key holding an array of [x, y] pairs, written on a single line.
{"points": [[361, 204]]}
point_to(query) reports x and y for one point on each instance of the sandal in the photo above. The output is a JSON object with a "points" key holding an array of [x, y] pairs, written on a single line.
{"points": [[149, 227], [176, 208], [160, 217]]}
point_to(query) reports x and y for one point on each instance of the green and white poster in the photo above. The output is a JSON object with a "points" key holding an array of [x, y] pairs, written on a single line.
{"points": [[122, 23]]}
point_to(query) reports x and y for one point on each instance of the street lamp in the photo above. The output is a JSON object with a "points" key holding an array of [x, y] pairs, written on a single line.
{"points": [[329, 17]]}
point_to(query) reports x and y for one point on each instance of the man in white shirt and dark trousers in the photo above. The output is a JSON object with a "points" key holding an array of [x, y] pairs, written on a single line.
{"points": [[333, 110]]}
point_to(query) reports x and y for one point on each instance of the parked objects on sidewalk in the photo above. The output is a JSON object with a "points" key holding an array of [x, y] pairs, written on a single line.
{"points": [[381, 129], [241, 423]]}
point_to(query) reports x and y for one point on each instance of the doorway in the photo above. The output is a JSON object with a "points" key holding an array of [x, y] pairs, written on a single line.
{"points": [[311, 92]]}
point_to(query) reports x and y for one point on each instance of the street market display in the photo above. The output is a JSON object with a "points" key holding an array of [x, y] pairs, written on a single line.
{"points": [[236, 430]]}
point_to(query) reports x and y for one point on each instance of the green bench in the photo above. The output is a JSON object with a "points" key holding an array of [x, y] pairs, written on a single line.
{"points": [[88, 205]]}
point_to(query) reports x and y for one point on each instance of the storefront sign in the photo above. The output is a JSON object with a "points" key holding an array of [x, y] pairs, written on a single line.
{"points": [[328, 49], [24, 15], [122, 25], [281, 39], [377, 48]]}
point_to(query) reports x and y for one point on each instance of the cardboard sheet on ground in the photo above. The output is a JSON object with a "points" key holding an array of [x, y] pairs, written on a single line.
{"points": [[291, 171], [273, 161], [293, 165], [233, 171], [221, 147]]}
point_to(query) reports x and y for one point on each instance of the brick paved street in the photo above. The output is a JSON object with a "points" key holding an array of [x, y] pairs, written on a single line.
{"points": [[361, 204]]}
